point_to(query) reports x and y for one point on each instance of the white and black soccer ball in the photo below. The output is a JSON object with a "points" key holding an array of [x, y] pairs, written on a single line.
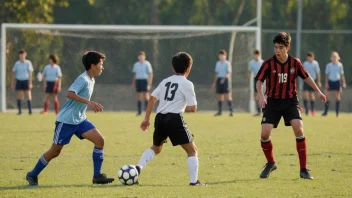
{"points": [[128, 174]]}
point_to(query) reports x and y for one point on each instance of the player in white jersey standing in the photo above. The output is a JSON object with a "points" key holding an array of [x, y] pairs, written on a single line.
{"points": [[52, 83], [176, 95], [142, 80], [334, 82], [312, 66], [253, 68], [22, 71]]}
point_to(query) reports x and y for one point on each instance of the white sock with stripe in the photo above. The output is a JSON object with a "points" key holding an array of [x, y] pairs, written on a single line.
{"points": [[146, 157], [193, 168]]}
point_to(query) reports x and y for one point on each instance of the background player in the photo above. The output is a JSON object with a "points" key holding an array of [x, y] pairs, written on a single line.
{"points": [[221, 82], [312, 66], [175, 94], [52, 82], [253, 68], [280, 72], [142, 80], [22, 71], [72, 120], [334, 81]]}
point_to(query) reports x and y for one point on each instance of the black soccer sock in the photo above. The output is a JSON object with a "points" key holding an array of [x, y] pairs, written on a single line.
{"points": [[229, 102], [29, 104], [305, 103], [145, 104], [219, 106], [326, 107], [337, 107], [19, 106], [312, 102], [139, 106]]}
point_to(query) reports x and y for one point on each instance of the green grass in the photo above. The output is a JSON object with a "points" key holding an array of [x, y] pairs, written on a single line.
{"points": [[229, 154]]}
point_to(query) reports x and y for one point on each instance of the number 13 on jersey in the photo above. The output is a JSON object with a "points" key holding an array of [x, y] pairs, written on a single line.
{"points": [[171, 89]]}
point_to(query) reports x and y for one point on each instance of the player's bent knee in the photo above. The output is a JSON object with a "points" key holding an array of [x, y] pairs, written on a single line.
{"points": [[156, 149]]}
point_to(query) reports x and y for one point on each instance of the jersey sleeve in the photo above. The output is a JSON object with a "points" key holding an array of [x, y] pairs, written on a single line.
{"points": [[317, 67], [263, 72], [44, 71], [30, 66], [302, 72], [149, 68], [190, 94], [14, 68], [249, 66], [134, 68], [216, 68], [156, 92], [229, 69], [341, 70], [59, 73], [327, 69], [78, 85]]}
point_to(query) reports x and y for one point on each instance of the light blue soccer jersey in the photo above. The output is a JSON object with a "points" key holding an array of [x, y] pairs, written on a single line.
{"points": [[142, 70], [334, 71], [254, 66], [52, 73], [222, 68], [312, 68], [22, 69], [73, 112]]}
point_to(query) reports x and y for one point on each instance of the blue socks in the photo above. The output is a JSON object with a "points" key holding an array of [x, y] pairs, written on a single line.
{"points": [[145, 104], [41, 164], [326, 107], [29, 104], [337, 107], [19, 106], [229, 102], [139, 106], [219, 106], [305, 103], [98, 158], [312, 105]]}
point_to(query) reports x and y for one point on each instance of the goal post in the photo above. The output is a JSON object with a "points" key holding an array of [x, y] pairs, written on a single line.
{"points": [[130, 33]]}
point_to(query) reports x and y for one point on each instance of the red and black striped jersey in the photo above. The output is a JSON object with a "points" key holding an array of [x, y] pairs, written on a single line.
{"points": [[281, 78]]}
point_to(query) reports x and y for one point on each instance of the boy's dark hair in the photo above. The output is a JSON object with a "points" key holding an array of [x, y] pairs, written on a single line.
{"points": [[181, 62], [22, 51], [282, 38], [310, 54], [92, 57], [257, 52], [141, 53], [223, 52], [54, 58]]}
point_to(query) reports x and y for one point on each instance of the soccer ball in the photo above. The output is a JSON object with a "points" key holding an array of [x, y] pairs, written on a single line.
{"points": [[128, 175]]}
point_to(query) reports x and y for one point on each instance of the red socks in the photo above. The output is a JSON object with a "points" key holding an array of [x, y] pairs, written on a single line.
{"points": [[46, 106], [57, 107], [302, 152], [268, 151]]}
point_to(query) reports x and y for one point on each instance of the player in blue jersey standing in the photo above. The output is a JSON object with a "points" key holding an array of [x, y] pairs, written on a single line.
{"points": [[72, 120], [142, 80], [253, 68], [22, 71]]}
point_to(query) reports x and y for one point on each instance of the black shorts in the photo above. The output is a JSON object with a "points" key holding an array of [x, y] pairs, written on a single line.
{"points": [[334, 85], [141, 85], [22, 85], [255, 85], [171, 126], [306, 87], [51, 87], [275, 108], [222, 88]]}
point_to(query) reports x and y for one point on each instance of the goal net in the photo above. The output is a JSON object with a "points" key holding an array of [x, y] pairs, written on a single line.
{"points": [[121, 45]]}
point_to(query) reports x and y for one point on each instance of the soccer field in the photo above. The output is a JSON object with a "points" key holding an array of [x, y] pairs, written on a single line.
{"points": [[230, 158]]}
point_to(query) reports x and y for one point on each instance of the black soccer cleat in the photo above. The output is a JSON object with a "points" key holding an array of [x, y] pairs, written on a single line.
{"points": [[269, 167], [198, 183], [324, 114], [305, 174], [139, 170], [32, 180], [218, 114], [102, 179], [231, 114]]}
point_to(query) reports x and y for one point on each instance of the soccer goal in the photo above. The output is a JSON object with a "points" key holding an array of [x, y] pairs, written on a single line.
{"points": [[121, 44]]}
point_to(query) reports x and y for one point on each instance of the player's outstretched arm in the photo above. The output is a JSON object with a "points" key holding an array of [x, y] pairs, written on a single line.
{"points": [[96, 107], [312, 84], [146, 122]]}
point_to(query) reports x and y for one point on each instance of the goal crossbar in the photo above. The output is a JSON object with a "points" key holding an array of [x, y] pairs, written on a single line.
{"points": [[108, 28]]}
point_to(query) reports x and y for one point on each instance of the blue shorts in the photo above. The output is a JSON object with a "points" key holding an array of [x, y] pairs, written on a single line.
{"points": [[334, 85], [63, 132], [22, 85]]}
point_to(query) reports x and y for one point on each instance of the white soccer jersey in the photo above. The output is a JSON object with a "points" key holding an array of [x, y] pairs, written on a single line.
{"points": [[174, 94]]}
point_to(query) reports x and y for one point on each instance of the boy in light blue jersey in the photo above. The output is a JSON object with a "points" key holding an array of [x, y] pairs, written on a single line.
{"points": [[253, 68], [334, 81], [52, 83], [22, 71], [312, 66], [142, 80], [221, 83], [72, 120]]}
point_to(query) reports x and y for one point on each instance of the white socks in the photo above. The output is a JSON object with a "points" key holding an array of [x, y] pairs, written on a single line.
{"points": [[193, 168], [146, 157]]}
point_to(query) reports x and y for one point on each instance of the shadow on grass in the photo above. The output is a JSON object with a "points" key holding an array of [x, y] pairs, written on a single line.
{"points": [[232, 181]]}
